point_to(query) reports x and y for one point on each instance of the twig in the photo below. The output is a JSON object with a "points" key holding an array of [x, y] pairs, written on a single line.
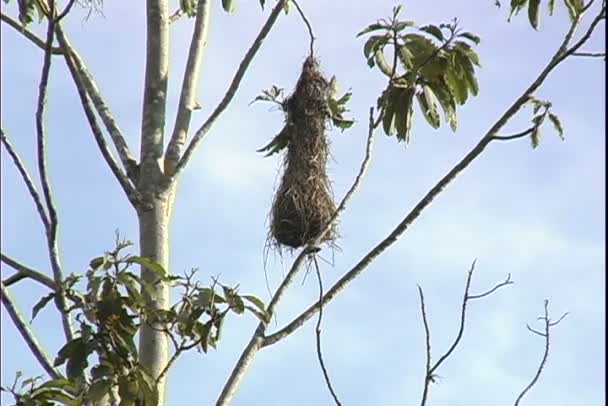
{"points": [[514, 136], [176, 15], [548, 324], [427, 335], [600, 16], [234, 85], [51, 232], [26, 179], [258, 339], [190, 81], [431, 369], [26, 272], [65, 11], [28, 34], [308, 26], [27, 333], [590, 54], [318, 336], [428, 198]]}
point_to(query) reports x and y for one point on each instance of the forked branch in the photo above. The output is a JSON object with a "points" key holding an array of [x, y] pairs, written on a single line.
{"points": [[545, 334], [26, 272]]}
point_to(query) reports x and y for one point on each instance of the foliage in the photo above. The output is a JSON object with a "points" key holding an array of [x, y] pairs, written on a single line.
{"points": [[110, 311], [432, 64]]}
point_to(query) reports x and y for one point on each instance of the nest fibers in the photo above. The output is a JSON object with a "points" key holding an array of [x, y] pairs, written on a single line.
{"points": [[303, 204]]}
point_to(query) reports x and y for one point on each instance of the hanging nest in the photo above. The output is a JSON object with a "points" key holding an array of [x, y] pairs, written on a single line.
{"points": [[304, 204]]}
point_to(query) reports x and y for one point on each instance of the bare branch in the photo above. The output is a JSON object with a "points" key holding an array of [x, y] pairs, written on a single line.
{"points": [[258, 340], [26, 272], [128, 187], [189, 86], [27, 334], [28, 34], [83, 78], [308, 26], [590, 54], [318, 336], [177, 14], [51, 232], [547, 327], [507, 281], [234, 85], [26, 179], [427, 335], [514, 136]]}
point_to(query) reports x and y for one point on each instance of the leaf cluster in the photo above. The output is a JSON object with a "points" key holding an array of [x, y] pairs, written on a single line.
{"points": [[110, 310], [542, 111], [433, 65], [574, 7]]}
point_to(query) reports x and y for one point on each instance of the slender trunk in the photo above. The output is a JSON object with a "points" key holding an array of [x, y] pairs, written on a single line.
{"points": [[154, 244]]}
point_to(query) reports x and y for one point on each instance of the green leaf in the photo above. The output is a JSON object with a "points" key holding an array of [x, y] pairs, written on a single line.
{"points": [[516, 6], [229, 5], [97, 262], [557, 125], [572, 9], [149, 264], [382, 63], [434, 31], [458, 86], [148, 385], [534, 13], [342, 124], [278, 143], [373, 43], [41, 303], [401, 25], [372, 27], [441, 90], [262, 3], [204, 331], [428, 105], [389, 114], [468, 71], [188, 7], [256, 301], [535, 137], [421, 48], [465, 49], [404, 114], [551, 6], [471, 37], [98, 389]]}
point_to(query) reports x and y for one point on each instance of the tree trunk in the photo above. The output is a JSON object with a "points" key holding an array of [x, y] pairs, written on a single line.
{"points": [[154, 244]]}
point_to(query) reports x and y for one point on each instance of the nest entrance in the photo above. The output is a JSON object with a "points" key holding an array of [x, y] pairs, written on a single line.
{"points": [[304, 204]]}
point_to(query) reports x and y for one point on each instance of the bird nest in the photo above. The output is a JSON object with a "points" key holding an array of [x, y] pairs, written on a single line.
{"points": [[304, 205]]}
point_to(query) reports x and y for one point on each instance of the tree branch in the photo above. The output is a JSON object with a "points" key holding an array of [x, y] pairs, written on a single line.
{"points": [[514, 136], [548, 324], [318, 336], [428, 198], [51, 232], [28, 34], [27, 333], [234, 85], [83, 79], [26, 179], [590, 54], [430, 370], [25, 272], [600, 16], [258, 339], [132, 194], [190, 81], [308, 26]]}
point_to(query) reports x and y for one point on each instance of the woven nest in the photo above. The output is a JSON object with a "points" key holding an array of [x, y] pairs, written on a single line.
{"points": [[304, 204]]}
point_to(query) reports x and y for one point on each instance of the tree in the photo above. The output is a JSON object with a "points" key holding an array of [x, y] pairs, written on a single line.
{"points": [[148, 184]]}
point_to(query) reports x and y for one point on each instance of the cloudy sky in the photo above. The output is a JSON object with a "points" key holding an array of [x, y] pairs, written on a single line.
{"points": [[537, 214]]}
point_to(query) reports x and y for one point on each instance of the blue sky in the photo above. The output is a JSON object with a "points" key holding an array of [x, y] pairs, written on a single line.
{"points": [[537, 214]]}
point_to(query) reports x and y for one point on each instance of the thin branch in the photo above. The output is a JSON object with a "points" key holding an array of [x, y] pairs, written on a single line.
{"points": [[318, 336], [27, 334], [83, 79], [132, 194], [590, 54], [234, 85], [26, 272], [546, 335], [258, 339], [427, 336], [65, 11], [190, 81], [428, 198], [506, 282], [28, 34], [514, 136], [51, 234], [26, 179], [308, 26], [600, 16]]}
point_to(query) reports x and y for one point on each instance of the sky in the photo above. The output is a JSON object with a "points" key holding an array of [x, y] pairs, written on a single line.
{"points": [[536, 214]]}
